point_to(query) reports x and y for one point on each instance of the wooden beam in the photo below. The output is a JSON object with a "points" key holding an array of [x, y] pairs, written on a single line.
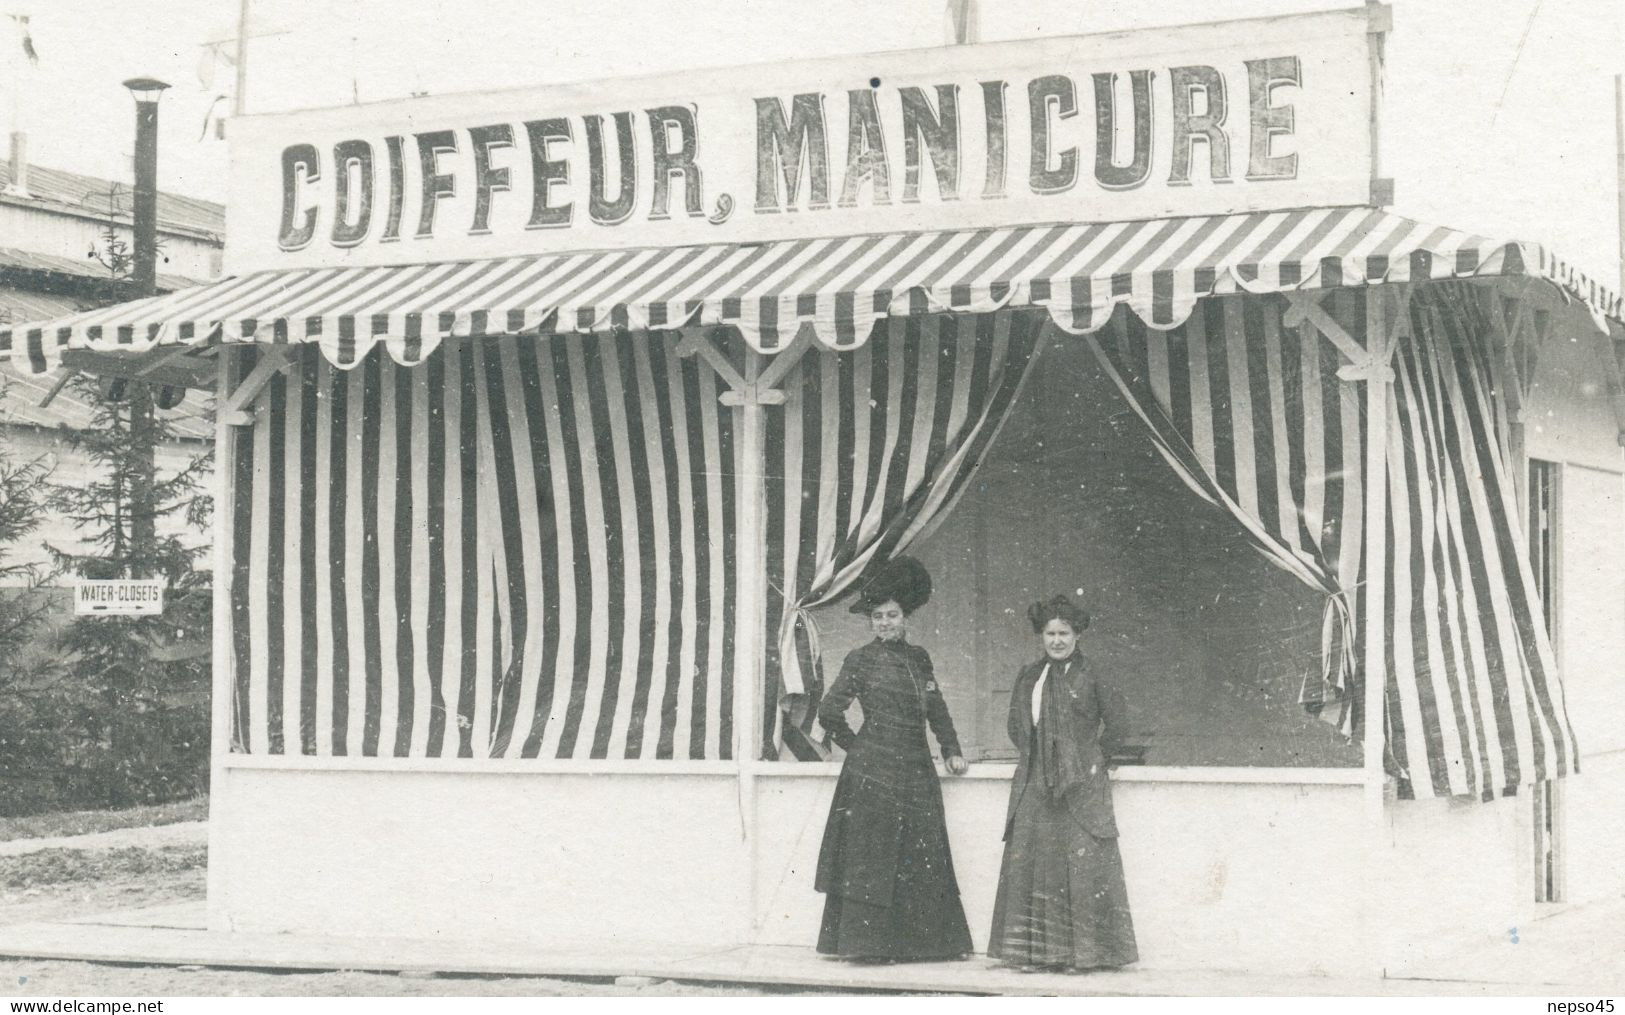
{"points": [[235, 407], [170, 357], [137, 367], [696, 342], [68, 373], [779, 366], [1305, 308]]}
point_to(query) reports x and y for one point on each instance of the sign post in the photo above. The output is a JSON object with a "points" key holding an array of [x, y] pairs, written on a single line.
{"points": [[120, 597]]}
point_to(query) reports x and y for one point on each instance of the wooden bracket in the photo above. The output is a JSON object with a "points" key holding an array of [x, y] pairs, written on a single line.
{"points": [[1519, 332], [779, 366], [171, 358], [235, 409], [56, 389], [1387, 323], [1371, 369], [695, 342], [1305, 309], [160, 367], [758, 385]]}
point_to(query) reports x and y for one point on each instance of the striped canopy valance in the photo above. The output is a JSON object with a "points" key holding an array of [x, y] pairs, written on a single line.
{"points": [[840, 286]]}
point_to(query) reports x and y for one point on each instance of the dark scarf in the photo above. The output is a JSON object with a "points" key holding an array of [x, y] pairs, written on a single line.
{"points": [[1059, 753]]}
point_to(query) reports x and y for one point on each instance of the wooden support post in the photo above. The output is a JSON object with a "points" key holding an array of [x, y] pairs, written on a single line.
{"points": [[1377, 375], [752, 589], [749, 392], [1375, 371], [1368, 363], [220, 699]]}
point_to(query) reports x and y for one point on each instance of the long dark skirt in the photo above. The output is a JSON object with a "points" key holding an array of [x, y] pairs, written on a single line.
{"points": [[1061, 898], [925, 919]]}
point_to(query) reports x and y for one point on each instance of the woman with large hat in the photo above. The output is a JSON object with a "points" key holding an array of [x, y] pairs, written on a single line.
{"points": [[885, 869]]}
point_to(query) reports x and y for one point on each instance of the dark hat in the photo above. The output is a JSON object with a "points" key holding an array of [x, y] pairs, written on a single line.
{"points": [[903, 580]]}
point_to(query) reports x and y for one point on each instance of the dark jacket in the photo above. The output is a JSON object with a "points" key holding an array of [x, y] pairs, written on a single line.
{"points": [[1083, 719], [888, 784]]}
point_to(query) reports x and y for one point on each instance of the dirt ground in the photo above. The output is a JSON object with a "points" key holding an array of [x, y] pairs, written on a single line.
{"points": [[52, 884], [27, 978]]}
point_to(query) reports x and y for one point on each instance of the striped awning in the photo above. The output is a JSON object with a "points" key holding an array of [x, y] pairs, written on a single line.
{"points": [[840, 286]]}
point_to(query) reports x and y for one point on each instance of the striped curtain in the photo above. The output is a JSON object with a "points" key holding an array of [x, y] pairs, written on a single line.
{"points": [[611, 499], [361, 621], [1473, 700], [869, 452], [519, 548], [1252, 416]]}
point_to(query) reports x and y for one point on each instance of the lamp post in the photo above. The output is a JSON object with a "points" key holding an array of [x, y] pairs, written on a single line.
{"points": [[144, 275], [146, 91]]}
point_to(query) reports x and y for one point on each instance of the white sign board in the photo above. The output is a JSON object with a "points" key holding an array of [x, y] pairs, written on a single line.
{"points": [[1208, 119], [119, 597]]}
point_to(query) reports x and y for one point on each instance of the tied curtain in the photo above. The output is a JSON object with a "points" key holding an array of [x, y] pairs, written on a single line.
{"points": [[1474, 701], [1253, 418], [869, 452]]}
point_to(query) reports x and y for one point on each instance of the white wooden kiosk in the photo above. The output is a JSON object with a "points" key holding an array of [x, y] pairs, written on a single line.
{"points": [[554, 423]]}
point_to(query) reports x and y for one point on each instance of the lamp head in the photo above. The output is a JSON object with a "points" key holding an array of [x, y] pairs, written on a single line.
{"points": [[146, 90]]}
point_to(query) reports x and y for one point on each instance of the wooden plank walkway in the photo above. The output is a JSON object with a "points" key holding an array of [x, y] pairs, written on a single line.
{"points": [[175, 935]]}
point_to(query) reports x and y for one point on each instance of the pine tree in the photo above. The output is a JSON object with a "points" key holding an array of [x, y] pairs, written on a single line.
{"points": [[28, 679], [143, 719], [141, 716]]}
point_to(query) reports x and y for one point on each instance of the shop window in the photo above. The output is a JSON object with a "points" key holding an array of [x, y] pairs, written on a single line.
{"points": [[1209, 641]]}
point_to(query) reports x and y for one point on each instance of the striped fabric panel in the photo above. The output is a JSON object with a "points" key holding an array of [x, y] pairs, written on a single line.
{"points": [[841, 286], [612, 478], [356, 584], [1252, 416], [1475, 706], [871, 449], [521, 548]]}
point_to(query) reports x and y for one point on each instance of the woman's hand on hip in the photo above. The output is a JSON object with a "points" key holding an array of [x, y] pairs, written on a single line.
{"points": [[957, 765]]}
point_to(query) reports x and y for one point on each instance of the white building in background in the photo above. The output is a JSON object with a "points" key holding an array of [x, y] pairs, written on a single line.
{"points": [[54, 234]]}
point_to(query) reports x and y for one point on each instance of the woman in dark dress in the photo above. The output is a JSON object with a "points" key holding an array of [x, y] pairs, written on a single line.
{"points": [[885, 869], [1061, 901]]}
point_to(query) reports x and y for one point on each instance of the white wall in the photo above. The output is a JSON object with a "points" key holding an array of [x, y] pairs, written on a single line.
{"points": [[1453, 872], [73, 467], [565, 861], [1500, 121], [1593, 802], [1265, 877], [72, 236], [1220, 876], [1571, 422]]}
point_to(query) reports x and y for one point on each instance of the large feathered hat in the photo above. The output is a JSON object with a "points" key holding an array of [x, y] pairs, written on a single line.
{"points": [[903, 580]]}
